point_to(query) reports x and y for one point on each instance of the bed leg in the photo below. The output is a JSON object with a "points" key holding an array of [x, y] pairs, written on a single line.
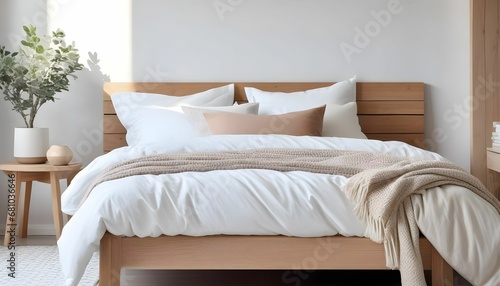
{"points": [[442, 273], [110, 260]]}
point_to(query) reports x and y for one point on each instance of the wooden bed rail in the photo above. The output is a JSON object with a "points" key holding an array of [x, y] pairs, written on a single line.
{"points": [[253, 252]]}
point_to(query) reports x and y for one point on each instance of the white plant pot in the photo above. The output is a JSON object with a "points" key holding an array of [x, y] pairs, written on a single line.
{"points": [[31, 145]]}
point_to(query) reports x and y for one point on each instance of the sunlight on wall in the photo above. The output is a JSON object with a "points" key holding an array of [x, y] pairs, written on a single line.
{"points": [[83, 22]]}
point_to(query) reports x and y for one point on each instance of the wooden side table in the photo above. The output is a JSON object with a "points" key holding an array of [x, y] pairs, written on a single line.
{"points": [[493, 165], [28, 173]]}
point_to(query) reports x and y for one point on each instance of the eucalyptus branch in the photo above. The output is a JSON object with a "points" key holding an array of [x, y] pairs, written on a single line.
{"points": [[38, 70], [25, 120], [34, 110]]}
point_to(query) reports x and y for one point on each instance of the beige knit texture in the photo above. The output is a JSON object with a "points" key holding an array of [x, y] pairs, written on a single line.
{"points": [[382, 199], [380, 186]]}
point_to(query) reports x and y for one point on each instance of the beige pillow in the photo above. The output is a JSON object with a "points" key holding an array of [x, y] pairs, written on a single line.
{"points": [[197, 121], [342, 121], [300, 123]]}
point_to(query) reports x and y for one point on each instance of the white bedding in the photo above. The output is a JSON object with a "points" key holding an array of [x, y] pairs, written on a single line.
{"points": [[261, 202]]}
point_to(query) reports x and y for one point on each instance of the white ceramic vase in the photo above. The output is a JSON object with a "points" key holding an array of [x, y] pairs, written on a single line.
{"points": [[59, 155], [31, 145]]}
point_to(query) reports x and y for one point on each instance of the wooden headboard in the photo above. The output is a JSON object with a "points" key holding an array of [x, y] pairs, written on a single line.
{"points": [[386, 110]]}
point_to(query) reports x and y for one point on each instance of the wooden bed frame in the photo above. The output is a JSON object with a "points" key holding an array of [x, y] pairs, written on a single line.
{"points": [[387, 111]]}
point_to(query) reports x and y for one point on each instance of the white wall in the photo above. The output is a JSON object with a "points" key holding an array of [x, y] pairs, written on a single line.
{"points": [[243, 40]]}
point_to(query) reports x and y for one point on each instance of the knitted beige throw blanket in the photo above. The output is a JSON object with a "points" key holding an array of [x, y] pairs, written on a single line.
{"points": [[380, 186]]}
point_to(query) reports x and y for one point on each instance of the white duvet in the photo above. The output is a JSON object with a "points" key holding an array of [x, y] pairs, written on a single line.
{"points": [[463, 227]]}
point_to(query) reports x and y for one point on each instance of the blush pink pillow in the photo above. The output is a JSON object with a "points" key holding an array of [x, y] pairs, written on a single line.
{"points": [[300, 123]]}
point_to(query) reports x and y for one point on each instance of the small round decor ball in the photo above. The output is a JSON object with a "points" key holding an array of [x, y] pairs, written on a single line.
{"points": [[59, 155]]}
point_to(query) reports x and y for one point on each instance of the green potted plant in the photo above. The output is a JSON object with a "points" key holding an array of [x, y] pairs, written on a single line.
{"points": [[31, 77]]}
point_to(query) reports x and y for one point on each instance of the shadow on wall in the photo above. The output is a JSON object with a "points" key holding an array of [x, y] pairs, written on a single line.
{"points": [[95, 69], [89, 124]]}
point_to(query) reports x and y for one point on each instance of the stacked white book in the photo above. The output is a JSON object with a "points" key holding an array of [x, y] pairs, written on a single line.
{"points": [[495, 135]]}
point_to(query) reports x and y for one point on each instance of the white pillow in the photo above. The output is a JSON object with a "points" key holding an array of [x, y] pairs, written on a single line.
{"points": [[342, 121], [280, 102], [158, 119], [195, 115]]}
